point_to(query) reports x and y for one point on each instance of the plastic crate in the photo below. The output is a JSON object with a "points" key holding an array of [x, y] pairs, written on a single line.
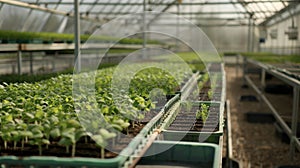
{"points": [[185, 154], [190, 136]]}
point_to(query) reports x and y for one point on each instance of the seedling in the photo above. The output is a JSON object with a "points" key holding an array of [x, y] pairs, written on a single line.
{"points": [[203, 113]]}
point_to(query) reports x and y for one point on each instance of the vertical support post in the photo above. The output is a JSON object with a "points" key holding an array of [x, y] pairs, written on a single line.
{"points": [[253, 36], [294, 121], [263, 78], [19, 62], [237, 65], [77, 36], [31, 62], [249, 33], [244, 70], [53, 61], [144, 29], [13, 68], [177, 26], [228, 132]]}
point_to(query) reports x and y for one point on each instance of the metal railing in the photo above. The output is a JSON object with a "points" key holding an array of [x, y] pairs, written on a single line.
{"points": [[291, 132]]}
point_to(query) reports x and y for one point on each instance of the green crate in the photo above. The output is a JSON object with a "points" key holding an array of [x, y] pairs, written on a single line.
{"points": [[190, 136], [185, 154], [41, 161]]}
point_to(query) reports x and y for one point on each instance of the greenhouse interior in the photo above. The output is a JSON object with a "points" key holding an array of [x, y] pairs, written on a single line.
{"points": [[150, 83]]}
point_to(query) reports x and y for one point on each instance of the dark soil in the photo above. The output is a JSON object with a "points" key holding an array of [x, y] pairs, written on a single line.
{"points": [[186, 120], [256, 144]]}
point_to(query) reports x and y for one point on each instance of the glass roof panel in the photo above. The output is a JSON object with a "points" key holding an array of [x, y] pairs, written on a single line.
{"points": [[231, 10]]}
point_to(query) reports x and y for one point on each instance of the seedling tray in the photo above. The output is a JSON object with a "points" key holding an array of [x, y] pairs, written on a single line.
{"points": [[190, 136], [183, 121], [123, 159], [185, 154]]}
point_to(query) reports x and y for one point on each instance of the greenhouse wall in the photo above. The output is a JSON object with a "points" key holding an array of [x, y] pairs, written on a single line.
{"points": [[230, 39], [281, 44]]}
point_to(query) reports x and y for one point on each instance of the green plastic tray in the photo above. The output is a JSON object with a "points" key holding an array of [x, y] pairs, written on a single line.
{"points": [[185, 154], [169, 135], [173, 114]]}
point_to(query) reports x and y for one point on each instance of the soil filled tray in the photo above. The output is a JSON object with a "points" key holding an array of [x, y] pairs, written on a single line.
{"points": [[126, 144], [197, 116]]}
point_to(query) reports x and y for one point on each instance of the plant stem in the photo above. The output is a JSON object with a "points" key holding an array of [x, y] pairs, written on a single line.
{"points": [[5, 144], [113, 141], [73, 149], [22, 142], [15, 145], [102, 153], [40, 150], [67, 149], [26, 139], [86, 139]]}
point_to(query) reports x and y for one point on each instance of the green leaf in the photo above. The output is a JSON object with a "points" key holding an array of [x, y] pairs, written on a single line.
{"points": [[65, 141], [55, 133], [9, 118], [99, 140], [45, 141], [117, 127], [69, 133], [73, 123], [26, 133], [39, 114], [29, 115], [105, 134], [55, 110]]}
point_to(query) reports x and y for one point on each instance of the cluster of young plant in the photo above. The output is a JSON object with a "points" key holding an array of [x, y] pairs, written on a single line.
{"points": [[49, 37], [203, 112], [191, 58], [32, 78], [213, 83], [43, 113], [272, 58], [203, 79]]}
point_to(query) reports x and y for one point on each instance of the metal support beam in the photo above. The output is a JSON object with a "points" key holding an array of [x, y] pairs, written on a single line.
{"points": [[199, 25], [283, 14], [253, 35], [186, 13], [177, 26], [263, 78], [53, 61], [249, 32], [294, 121], [291, 132], [19, 62], [229, 136], [163, 3], [144, 27], [77, 36], [31, 62]]}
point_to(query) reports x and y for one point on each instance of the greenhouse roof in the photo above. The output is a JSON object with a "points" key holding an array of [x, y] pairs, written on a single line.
{"points": [[200, 12]]}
